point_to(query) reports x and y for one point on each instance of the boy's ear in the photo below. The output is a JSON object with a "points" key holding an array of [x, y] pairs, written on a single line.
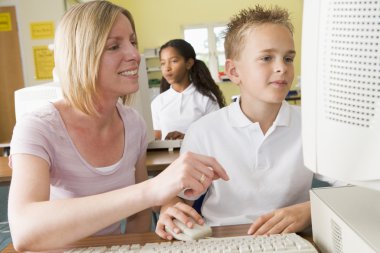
{"points": [[189, 63], [231, 71]]}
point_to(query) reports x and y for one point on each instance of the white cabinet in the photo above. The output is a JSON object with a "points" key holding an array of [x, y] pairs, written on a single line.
{"points": [[153, 69]]}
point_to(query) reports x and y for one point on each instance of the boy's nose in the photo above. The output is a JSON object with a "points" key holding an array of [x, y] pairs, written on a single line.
{"points": [[280, 67]]}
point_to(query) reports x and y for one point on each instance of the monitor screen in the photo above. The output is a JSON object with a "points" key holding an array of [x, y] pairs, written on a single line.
{"points": [[340, 76]]}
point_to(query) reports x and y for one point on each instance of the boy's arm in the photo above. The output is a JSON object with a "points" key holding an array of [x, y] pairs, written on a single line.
{"points": [[289, 219], [176, 209]]}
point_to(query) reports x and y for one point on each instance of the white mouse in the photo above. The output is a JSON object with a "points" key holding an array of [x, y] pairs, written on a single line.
{"points": [[189, 234]]}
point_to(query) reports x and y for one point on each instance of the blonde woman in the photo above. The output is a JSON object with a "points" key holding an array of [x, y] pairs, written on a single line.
{"points": [[79, 163]]}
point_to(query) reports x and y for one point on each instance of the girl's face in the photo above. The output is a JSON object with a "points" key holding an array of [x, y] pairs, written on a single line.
{"points": [[174, 68], [119, 63]]}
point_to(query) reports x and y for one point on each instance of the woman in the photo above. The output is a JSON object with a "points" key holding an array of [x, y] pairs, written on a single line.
{"points": [[79, 163], [188, 91]]}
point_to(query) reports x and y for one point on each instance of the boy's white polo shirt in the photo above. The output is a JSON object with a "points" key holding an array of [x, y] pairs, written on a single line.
{"points": [[266, 172], [175, 111]]}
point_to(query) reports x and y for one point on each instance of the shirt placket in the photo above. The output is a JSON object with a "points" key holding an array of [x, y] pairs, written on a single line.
{"points": [[261, 162], [181, 104]]}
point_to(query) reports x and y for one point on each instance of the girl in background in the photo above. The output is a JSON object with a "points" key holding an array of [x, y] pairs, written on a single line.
{"points": [[188, 91]]}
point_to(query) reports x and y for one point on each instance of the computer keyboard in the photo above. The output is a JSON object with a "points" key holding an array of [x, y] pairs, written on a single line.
{"points": [[279, 243]]}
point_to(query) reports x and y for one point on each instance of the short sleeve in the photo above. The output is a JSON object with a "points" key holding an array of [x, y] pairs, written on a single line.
{"points": [[31, 136]]}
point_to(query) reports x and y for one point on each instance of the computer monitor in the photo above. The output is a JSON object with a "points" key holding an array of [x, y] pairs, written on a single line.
{"points": [[30, 98], [340, 75]]}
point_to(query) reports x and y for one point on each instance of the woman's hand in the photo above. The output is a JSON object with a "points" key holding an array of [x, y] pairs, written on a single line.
{"points": [[179, 211], [289, 219], [191, 173], [175, 135]]}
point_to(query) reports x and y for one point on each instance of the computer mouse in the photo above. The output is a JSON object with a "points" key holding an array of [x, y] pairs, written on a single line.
{"points": [[189, 234]]}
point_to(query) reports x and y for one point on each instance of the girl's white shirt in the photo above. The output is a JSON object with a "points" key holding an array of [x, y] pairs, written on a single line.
{"points": [[176, 111]]}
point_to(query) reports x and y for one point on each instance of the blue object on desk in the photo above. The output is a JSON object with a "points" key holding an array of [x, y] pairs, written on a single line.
{"points": [[292, 93]]}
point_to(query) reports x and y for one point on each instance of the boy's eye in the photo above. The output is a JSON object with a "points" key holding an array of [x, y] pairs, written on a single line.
{"points": [[289, 59], [266, 58]]}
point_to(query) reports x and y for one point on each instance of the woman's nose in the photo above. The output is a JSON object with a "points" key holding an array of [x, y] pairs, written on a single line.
{"points": [[131, 53]]}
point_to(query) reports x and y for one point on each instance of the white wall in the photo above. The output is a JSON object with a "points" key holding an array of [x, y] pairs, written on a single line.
{"points": [[28, 11]]}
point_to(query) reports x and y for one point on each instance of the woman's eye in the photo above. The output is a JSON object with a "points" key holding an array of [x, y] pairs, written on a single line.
{"points": [[134, 43], [113, 47]]}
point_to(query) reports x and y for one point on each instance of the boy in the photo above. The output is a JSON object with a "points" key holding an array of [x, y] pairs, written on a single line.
{"points": [[256, 139]]}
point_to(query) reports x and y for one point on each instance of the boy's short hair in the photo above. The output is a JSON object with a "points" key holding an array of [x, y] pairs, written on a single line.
{"points": [[240, 24], [79, 43]]}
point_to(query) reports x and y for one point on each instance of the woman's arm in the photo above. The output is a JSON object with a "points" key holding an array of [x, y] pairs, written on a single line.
{"points": [[38, 224], [140, 222]]}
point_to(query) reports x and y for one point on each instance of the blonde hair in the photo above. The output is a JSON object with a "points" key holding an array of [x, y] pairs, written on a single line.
{"points": [[240, 24], [79, 43]]}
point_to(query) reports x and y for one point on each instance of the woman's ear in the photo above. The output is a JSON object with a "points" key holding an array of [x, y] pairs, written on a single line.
{"points": [[231, 71], [189, 63]]}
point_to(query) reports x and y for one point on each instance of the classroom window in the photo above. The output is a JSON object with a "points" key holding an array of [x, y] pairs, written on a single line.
{"points": [[208, 43]]}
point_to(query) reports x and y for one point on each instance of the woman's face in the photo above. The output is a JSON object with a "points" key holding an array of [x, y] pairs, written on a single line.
{"points": [[119, 63], [174, 68]]}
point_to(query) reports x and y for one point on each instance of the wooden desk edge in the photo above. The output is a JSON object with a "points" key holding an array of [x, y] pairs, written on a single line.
{"points": [[142, 238]]}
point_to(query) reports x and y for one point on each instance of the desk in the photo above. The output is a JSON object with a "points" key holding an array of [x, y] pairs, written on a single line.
{"points": [[294, 99], [156, 161], [143, 238], [5, 171], [5, 147]]}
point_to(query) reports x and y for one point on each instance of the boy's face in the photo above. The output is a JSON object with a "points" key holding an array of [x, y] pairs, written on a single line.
{"points": [[265, 69]]}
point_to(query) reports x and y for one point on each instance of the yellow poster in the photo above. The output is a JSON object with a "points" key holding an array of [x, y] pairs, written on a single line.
{"points": [[5, 22], [43, 62], [42, 30]]}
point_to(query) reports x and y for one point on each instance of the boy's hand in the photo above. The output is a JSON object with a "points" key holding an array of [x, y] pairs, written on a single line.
{"points": [[289, 219], [179, 211]]}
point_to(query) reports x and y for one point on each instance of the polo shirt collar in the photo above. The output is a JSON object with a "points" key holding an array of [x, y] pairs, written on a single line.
{"points": [[238, 119], [189, 90]]}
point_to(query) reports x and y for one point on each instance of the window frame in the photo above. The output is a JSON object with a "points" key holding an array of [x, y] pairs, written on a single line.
{"points": [[212, 46]]}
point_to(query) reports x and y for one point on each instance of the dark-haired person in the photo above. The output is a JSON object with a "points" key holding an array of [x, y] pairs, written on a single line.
{"points": [[188, 91]]}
